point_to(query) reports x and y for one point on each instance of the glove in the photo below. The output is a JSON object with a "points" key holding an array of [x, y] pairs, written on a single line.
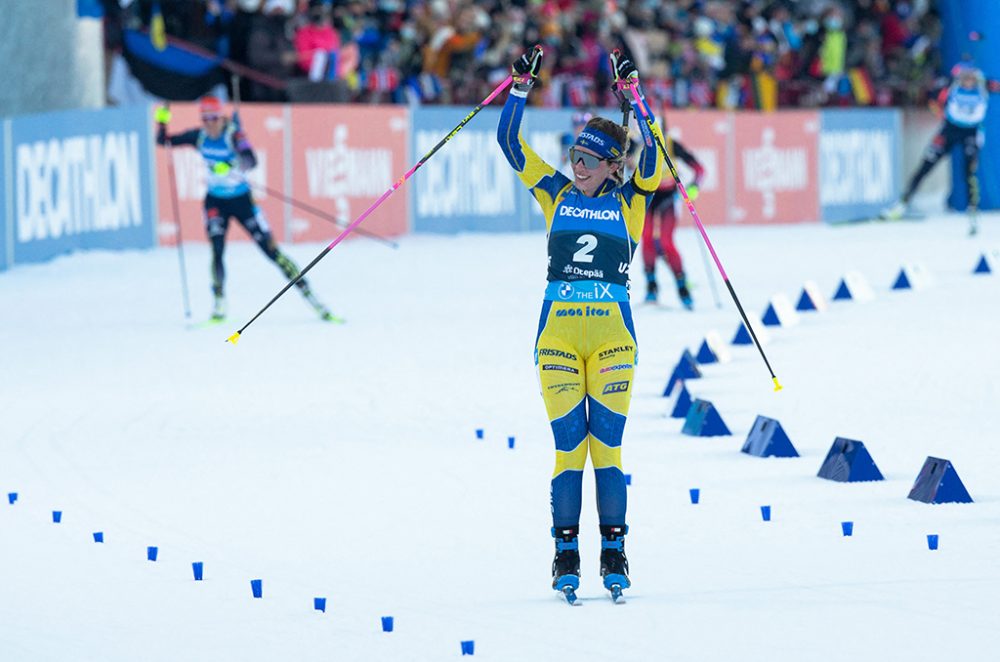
{"points": [[221, 168], [162, 115], [528, 64], [525, 70], [625, 72], [692, 192]]}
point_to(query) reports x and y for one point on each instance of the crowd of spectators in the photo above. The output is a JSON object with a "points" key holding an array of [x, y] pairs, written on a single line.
{"points": [[699, 53]]}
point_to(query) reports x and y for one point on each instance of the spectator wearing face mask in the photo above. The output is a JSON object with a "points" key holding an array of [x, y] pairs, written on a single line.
{"points": [[316, 42]]}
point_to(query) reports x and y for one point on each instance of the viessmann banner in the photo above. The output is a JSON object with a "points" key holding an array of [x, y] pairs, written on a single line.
{"points": [[80, 181], [266, 128], [337, 159]]}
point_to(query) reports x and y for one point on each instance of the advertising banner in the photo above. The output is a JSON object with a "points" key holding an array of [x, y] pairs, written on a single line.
{"points": [[81, 180], [7, 206], [467, 186], [343, 158], [776, 177], [860, 153], [265, 128], [707, 134]]}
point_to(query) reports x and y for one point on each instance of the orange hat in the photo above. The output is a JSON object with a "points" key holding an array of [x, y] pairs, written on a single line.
{"points": [[210, 106]]}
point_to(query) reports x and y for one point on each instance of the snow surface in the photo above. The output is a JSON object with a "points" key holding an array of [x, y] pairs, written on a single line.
{"points": [[341, 461]]}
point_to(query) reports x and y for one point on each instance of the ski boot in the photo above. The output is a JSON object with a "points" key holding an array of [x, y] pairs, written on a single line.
{"points": [[683, 293], [651, 287], [893, 213], [219, 308], [321, 310], [614, 565], [566, 564]]}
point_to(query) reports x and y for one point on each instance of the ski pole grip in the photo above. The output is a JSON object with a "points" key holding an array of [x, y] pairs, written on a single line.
{"points": [[162, 115], [638, 101]]}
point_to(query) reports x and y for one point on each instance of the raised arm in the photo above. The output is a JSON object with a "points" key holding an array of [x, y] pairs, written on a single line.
{"points": [[649, 169], [544, 181]]}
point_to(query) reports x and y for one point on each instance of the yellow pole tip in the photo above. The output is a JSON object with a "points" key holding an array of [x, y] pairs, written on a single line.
{"points": [[777, 385], [234, 338]]}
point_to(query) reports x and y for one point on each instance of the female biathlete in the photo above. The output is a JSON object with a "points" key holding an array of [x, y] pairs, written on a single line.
{"points": [[586, 347], [228, 157], [661, 219]]}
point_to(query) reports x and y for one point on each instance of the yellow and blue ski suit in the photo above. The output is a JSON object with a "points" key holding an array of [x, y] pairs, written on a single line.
{"points": [[586, 348]]}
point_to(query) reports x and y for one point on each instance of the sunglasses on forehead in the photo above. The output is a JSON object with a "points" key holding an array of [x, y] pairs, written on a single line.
{"points": [[590, 161]]}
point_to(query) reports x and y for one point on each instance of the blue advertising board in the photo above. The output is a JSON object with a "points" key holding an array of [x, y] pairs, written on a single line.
{"points": [[81, 180], [970, 29], [468, 186], [6, 206], [860, 161]]}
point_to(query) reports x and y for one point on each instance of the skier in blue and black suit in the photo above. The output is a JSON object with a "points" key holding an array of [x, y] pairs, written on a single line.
{"points": [[228, 157]]}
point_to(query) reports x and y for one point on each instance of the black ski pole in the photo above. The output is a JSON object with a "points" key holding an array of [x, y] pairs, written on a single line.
{"points": [[694, 214], [319, 213], [164, 113]]}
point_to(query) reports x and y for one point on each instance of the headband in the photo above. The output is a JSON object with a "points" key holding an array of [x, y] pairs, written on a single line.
{"points": [[599, 142]]}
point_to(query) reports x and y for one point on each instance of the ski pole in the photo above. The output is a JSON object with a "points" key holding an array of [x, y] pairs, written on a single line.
{"points": [[399, 182], [694, 214], [709, 274], [319, 213], [177, 218]]}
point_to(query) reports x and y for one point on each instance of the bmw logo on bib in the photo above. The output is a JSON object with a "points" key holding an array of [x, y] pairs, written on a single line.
{"points": [[565, 291]]}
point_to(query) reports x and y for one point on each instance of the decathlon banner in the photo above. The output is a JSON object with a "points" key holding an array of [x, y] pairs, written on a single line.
{"points": [[7, 206], [775, 161], [343, 158], [81, 181], [860, 153], [266, 127], [467, 186]]}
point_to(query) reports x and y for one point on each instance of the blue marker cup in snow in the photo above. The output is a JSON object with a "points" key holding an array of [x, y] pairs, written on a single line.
{"points": [[198, 568], [257, 588], [98, 536], [932, 541], [12, 497], [319, 604], [695, 494], [765, 513], [151, 552], [510, 442], [56, 516], [387, 624], [468, 648], [628, 479], [479, 433], [847, 528]]}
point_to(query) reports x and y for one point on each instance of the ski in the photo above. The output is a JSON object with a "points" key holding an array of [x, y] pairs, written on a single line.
{"points": [[208, 324], [566, 586], [327, 316], [569, 593]]}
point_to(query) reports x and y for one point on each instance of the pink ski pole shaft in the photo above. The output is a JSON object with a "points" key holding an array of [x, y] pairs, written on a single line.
{"points": [[398, 183], [701, 228]]}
